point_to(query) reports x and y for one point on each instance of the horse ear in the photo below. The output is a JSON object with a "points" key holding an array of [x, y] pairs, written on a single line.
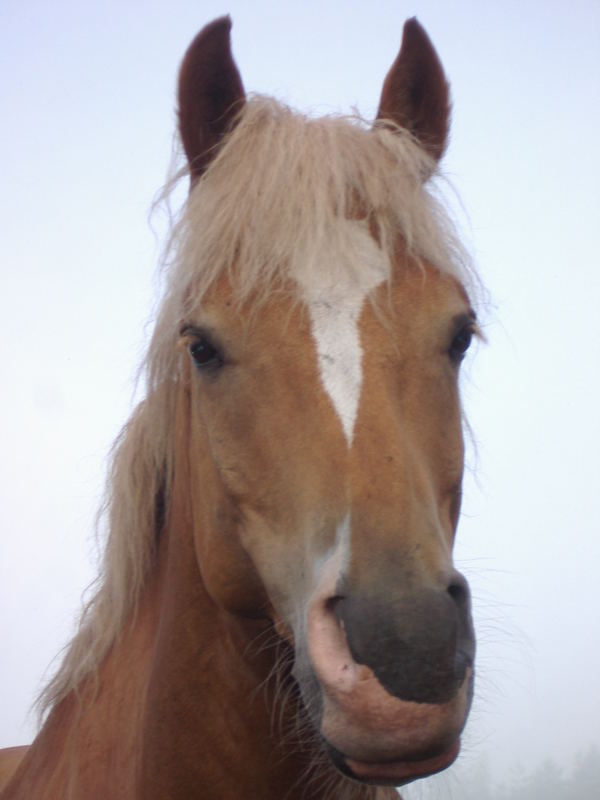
{"points": [[415, 94], [210, 94]]}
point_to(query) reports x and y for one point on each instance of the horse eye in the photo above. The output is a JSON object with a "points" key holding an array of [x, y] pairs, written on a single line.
{"points": [[461, 343], [204, 354]]}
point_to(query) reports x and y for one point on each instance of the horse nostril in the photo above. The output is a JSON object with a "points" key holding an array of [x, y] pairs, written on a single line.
{"points": [[459, 592], [465, 642], [332, 602], [334, 605]]}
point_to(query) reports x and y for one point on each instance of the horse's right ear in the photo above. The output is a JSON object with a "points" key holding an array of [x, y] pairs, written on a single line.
{"points": [[210, 94]]}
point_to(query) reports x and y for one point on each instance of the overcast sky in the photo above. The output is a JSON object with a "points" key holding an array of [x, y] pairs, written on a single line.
{"points": [[87, 119]]}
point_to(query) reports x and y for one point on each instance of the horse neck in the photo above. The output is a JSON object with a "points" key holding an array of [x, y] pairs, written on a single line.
{"points": [[89, 745]]}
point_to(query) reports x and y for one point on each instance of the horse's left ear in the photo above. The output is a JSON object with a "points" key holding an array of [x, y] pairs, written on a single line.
{"points": [[210, 94], [416, 94]]}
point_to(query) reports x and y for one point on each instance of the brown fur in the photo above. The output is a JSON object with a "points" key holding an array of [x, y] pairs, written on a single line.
{"points": [[10, 758]]}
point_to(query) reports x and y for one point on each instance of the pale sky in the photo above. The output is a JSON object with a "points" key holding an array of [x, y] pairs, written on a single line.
{"points": [[88, 115]]}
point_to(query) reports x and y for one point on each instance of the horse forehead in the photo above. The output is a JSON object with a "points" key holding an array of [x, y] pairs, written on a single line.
{"points": [[333, 286]]}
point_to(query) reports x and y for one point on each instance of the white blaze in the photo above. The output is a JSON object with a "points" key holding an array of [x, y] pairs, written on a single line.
{"points": [[335, 301]]}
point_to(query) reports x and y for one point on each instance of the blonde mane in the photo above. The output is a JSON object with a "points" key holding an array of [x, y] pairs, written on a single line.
{"points": [[261, 213]]}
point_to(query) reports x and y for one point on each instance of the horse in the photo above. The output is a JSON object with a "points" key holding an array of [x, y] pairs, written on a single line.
{"points": [[278, 614]]}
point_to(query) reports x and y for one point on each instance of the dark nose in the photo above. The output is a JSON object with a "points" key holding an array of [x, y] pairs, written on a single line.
{"points": [[418, 641]]}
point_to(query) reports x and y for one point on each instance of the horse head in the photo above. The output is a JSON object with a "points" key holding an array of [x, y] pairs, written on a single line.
{"points": [[319, 360]]}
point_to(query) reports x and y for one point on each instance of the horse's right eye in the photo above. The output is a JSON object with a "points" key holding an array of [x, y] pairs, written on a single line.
{"points": [[204, 354]]}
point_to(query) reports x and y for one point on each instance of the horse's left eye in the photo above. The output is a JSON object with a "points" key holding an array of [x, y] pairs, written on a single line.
{"points": [[461, 343], [204, 354]]}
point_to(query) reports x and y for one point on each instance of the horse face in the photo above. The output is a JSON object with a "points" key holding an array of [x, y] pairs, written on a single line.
{"points": [[334, 517], [326, 451]]}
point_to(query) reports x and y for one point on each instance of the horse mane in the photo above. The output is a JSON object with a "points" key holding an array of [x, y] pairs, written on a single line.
{"points": [[262, 213]]}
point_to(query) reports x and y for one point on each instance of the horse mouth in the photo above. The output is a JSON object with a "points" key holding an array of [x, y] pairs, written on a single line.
{"points": [[376, 738], [393, 773]]}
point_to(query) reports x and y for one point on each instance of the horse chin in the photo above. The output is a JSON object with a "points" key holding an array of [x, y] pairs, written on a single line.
{"points": [[392, 773]]}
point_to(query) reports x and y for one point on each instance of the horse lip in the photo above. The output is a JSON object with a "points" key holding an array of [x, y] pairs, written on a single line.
{"points": [[394, 773]]}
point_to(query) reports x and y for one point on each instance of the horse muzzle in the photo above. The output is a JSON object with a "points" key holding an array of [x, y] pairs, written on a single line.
{"points": [[394, 678]]}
